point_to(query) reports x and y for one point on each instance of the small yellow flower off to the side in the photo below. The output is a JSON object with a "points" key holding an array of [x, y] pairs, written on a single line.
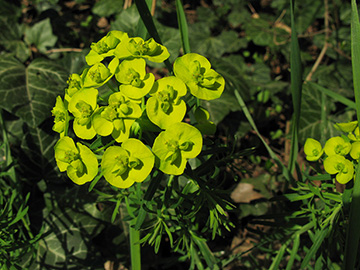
{"points": [[313, 149]]}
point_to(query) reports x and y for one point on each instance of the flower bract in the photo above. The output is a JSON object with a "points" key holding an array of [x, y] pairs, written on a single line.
{"points": [[202, 81], [105, 47], [116, 118], [82, 105], [98, 74], [174, 146], [313, 149], [165, 107], [136, 47], [131, 162], [75, 83], [337, 146], [77, 160], [355, 150], [339, 165], [135, 82], [203, 124], [61, 115], [346, 127], [354, 136]]}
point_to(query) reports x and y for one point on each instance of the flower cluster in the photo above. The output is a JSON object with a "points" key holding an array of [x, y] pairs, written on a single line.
{"points": [[131, 102], [341, 152]]}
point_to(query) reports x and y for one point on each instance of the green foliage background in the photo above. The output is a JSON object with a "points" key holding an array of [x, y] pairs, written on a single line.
{"points": [[248, 42]]}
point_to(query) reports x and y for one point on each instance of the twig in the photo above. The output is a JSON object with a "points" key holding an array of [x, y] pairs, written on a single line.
{"points": [[63, 50], [127, 4], [153, 6], [326, 45]]}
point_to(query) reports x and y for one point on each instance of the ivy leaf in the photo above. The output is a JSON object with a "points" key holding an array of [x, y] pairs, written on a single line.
{"points": [[312, 124], [106, 8], [30, 92], [10, 38], [67, 242], [41, 35], [214, 46], [9, 9], [127, 21], [36, 156]]}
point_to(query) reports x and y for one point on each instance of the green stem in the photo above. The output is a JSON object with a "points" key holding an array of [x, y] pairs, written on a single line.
{"points": [[135, 251], [353, 232]]}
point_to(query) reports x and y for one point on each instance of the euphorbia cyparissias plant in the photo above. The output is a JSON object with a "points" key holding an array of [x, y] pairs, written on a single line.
{"points": [[109, 106]]}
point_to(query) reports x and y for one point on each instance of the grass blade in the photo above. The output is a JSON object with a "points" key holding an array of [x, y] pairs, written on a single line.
{"points": [[141, 28], [296, 88], [294, 252], [276, 262], [340, 98], [150, 26], [353, 232], [253, 125], [183, 26], [319, 238]]}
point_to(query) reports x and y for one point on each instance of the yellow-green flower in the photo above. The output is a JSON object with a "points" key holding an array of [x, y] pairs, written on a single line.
{"points": [[337, 146], [346, 127], [105, 47], [61, 115], [99, 74], [136, 47], [135, 82], [123, 165], [312, 149], [82, 105], [77, 160], [339, 165], [117, 118], [196, 72], [165, 105], [174, 146], [355, 150], [355, 135], [75, 83]]}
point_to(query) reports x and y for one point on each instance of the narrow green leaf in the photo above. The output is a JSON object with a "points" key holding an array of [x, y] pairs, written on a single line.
{"points": [[116, 211], [94, 182], [353, 232], [140, 218], [141, 29], [319, 238], [150, 26], [253, 125], [355, 53], [335, 96], [183, 26], [293, 197], [294, 251], [296, 88], [276, 262]]}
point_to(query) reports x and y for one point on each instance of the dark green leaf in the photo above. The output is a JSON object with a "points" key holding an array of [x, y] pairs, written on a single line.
{"points": [[41, 35], [30, 92], [106, 8]]}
